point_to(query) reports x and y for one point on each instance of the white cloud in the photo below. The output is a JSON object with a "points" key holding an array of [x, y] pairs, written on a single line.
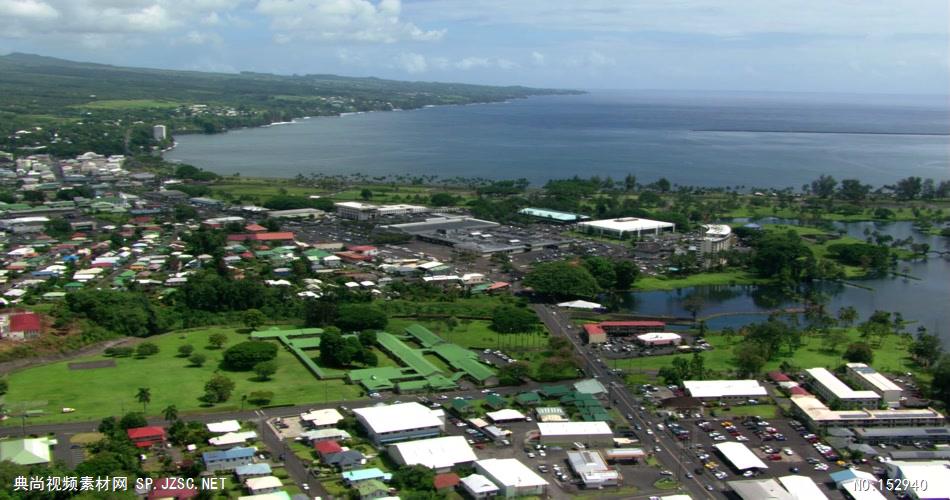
{"points": [[28, 9], [348, 20], [537, 58], [485, 62], [412, 63], [194, 37]]}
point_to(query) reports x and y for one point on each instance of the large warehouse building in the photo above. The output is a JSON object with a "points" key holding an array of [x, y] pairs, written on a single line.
{"points": [[740, 457], [724, 389], [513, 478], [625, 227], [588, 433], [439, 454], [400, 422]]}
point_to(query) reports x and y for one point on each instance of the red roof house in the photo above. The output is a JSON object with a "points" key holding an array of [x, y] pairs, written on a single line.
{"points": [[144, 437], [20, 326], [325, 448], [172, 492], [798, 391], [779, 377], [363, 249], [255, 228], [595, 334], [446, 481]]}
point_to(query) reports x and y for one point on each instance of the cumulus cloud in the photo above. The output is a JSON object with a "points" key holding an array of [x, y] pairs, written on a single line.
{"points": [[412, 63], [347, 20], [537, 58], [485, 62]]}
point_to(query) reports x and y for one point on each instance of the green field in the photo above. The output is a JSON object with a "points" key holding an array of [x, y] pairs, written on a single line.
{"points": [[128, 104], [891, 356], [100, 392], [737, 277], [472, 334]]}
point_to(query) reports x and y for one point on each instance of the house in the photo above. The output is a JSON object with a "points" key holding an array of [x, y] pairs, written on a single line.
{"points": [[372, 489], [224, 426], [262, 485], [278, 236], [445, 482], [144, 437], [440, 454], [325, 448], [228, 459], [171, 492], [252, 470], [321, 419], [325, 435], [345, 460], [20, 326], [33, 451], [233, 438], [352, 477]]}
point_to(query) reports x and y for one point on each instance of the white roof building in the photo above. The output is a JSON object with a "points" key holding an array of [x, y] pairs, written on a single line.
{"points": [[224, 426], [802, 487], [437, 453], [269, 483], [580, 304], [831, 387], [625, 226], [232, 438], [660, 338], [740, 456], [510, 475], [400, 421], [478, 486], [322, 418], [716, 389], [586, 432], [933, 473], [505, 415]]}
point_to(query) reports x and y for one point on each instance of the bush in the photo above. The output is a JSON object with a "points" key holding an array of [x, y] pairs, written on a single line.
{"points": [[512, 319], [146, 349], [243, 356], [118, 352], [197, 359], [359, 317]]}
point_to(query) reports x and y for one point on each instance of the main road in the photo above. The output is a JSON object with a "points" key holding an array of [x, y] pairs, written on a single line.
{"points": [[672, 455]]}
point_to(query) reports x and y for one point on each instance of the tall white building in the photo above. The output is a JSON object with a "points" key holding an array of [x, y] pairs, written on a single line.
{"points": [[159, 132]]}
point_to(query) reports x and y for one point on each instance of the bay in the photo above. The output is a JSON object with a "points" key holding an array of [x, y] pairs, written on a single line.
{"points": [[709, 139]]}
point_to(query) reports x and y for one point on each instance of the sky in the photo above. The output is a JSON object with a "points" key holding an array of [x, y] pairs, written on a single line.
{"points": [[842, 46]]}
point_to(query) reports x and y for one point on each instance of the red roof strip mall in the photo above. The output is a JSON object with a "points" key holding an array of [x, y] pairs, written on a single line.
{"points": [[598, 332]]}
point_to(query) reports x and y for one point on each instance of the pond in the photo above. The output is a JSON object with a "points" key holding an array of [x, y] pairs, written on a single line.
{"points": [[923, 299]]}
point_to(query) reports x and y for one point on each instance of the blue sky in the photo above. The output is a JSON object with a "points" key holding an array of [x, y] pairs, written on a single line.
{"points": [[853, 46]]}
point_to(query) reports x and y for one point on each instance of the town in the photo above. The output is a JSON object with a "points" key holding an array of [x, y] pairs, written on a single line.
{"points": [[283, 339]]}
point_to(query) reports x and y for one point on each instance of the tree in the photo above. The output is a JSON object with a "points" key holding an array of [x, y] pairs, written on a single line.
{"points": [[416, 478], [908, 188], [197, 359], [626, 274], [265, 369], [781, 255], [146, 349], [170, 413], [602, 270], [253, 319], [359, 317], [512, 319], [319, 312], [217, 340], [218, 389], [562, 279], [366, 194], [630, 183], [859, 352], [824, 186], [144, 396], [853, 191], [132, 420], [513, 373], [442, 200], [847, 315], [940, 386], [750, 358], [244, 356], [185, 350], [926, 349], [367, 338]]}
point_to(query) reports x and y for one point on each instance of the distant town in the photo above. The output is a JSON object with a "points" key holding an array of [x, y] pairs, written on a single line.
{"points": [[224, 337]]}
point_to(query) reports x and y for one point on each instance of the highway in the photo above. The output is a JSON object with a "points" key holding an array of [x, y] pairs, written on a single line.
{"points": [[672, 455]]}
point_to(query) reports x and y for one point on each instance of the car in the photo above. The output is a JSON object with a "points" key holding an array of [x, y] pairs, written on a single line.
{"points": [[788, 451], [530, 454], [689, 475], [748, 473], [305, 487], [709, 487], [657, 449], [665, 473], [541, 453], [794, 470]]}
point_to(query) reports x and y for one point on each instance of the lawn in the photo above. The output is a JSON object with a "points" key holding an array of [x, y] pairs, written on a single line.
{"points": [[736, 277], [891, 356], [128, 104], [100, 392], [764, 411]]}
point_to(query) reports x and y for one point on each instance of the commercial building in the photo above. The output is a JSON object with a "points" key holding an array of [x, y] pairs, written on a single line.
{"points": [[592, 469], [478, 486], [33, 451], [589, 433], [869, 378], [400, 422], [655, 339], [594, 333], [296, 213], [716, 238], [625, 227], [598, 333], [819, 416], [144, 437], [439, 454], [707, 390], [553, 215], [24, 224], [624, 454], [835, 392], [506, 415], [512, 477], [926, 480], [159, 132], [902, 435], [321, 419], [355, 210], [740, 457], [507, 240], [785, 488]]}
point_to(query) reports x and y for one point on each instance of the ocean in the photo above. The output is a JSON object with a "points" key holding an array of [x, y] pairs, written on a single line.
{"points": [[708, 139]]}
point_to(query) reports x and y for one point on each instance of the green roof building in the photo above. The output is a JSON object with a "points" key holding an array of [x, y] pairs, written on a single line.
{"points": [[26, 451]]}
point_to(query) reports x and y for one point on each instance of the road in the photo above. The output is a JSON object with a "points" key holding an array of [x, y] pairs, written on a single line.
{"points": [[672, 455]]}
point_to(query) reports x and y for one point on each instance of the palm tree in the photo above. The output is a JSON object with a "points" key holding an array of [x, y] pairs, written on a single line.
{"points": [[144, 396], [170, 413]]}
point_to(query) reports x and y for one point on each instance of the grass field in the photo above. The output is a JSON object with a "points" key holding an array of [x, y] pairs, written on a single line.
{"points": [[891, 356], [701, 279], [472, 334], [101, 392]]}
